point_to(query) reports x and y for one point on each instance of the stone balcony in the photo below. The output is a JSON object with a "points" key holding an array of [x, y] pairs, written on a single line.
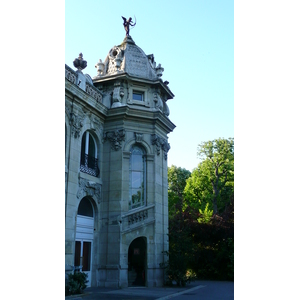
{"points": [[138, 217]]}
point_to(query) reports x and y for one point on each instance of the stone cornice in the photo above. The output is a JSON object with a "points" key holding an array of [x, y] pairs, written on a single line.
{"points": [[126, 113], [126, 76]]}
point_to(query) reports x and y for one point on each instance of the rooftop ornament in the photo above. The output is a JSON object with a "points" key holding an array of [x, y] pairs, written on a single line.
{"points": [[79, 63], [128, 23]]}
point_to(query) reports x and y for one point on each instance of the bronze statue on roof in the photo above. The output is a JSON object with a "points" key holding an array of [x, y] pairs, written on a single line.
{"points": [[128, 23]]}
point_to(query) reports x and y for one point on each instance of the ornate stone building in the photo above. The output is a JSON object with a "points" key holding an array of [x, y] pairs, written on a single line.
{"points": [[116, 196]]}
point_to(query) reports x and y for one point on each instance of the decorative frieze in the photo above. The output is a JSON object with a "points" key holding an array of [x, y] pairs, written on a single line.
{"points": [[115, 137], [70, 74], [94, 92], [89, 188], [160, 143]]}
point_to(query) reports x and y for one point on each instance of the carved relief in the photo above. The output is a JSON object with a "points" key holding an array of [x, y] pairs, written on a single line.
{"points": [[96, 125], [155, 140], [89, 188], [160, 143], [158, 102], [76, 125], [114, 60], [94, 92], [166, 110], [118, 93], [138, 137], [165, 147], [115, 137]]}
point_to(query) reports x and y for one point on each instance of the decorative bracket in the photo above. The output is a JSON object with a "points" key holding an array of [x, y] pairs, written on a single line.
{"points": [[115, 137], [138, 137], [160, 143], [89, 188]]}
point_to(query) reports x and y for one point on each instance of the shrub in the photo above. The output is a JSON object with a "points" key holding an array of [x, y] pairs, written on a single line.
{"points": [[76, 283]]}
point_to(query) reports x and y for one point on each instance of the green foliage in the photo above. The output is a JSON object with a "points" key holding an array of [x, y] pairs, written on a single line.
{"points": [[212, 181], [76, 283], [205, 215], [176, 183], [175, 272], [201, 216]]}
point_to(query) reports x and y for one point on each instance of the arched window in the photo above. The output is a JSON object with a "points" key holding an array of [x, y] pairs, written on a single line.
{"points": [[85, 208], [89, 161], [137, 177]]}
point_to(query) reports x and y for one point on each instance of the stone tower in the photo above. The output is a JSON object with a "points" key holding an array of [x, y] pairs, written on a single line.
{"points": [[116, 168]]}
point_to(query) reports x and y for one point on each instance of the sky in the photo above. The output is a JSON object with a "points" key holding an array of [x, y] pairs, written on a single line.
{"points": [[192, 40]]}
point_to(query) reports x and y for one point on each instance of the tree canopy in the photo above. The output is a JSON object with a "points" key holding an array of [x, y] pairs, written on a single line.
{"points": [[201, 217], [211, 183]]}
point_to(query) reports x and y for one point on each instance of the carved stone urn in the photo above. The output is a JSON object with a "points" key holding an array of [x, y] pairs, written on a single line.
{"points": [[79, 63], [100, 67]]}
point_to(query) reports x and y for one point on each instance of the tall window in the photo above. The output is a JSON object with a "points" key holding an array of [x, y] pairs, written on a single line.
{"points": [[89, 161], [137, 174]]}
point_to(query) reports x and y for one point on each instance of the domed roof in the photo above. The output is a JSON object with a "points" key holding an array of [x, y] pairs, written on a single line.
{"points": [[131, 59]]}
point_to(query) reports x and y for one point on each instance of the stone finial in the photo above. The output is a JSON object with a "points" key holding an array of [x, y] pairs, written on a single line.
{"points": [[159, 70], [79, 63], [100, 67]]}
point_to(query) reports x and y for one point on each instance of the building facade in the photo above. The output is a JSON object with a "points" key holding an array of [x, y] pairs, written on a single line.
{"points": [[116, 196]]}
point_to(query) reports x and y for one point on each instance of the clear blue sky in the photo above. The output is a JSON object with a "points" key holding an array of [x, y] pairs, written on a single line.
{"points": [[193, 40]]}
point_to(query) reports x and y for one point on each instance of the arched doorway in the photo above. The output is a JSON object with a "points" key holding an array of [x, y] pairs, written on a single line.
{"points": [[84, 238], [137, 262]]}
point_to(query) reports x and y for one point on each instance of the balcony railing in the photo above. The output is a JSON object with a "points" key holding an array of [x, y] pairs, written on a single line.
{"points": [[89, 165], [138, 217]]}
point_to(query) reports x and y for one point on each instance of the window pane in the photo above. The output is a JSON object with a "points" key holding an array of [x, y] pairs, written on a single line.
{"points": [[137, 162], [137, 173], [85, 208], [136, 197], [136, 179], [86, 256], [137, 96], [77, 253], [91, 147], [83, 149]]}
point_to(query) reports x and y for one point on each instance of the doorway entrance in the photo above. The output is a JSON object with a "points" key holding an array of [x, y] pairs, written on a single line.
{"points": [[84, 238], [137, 262]]}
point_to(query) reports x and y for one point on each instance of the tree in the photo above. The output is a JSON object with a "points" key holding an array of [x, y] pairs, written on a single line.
{"points": [[176, 183], [212, 181], [179, 228]]}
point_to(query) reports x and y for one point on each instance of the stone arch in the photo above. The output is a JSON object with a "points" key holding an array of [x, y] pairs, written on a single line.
{"points": [[90, 153], [137, 261], [85, 240], [130, 142]]}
